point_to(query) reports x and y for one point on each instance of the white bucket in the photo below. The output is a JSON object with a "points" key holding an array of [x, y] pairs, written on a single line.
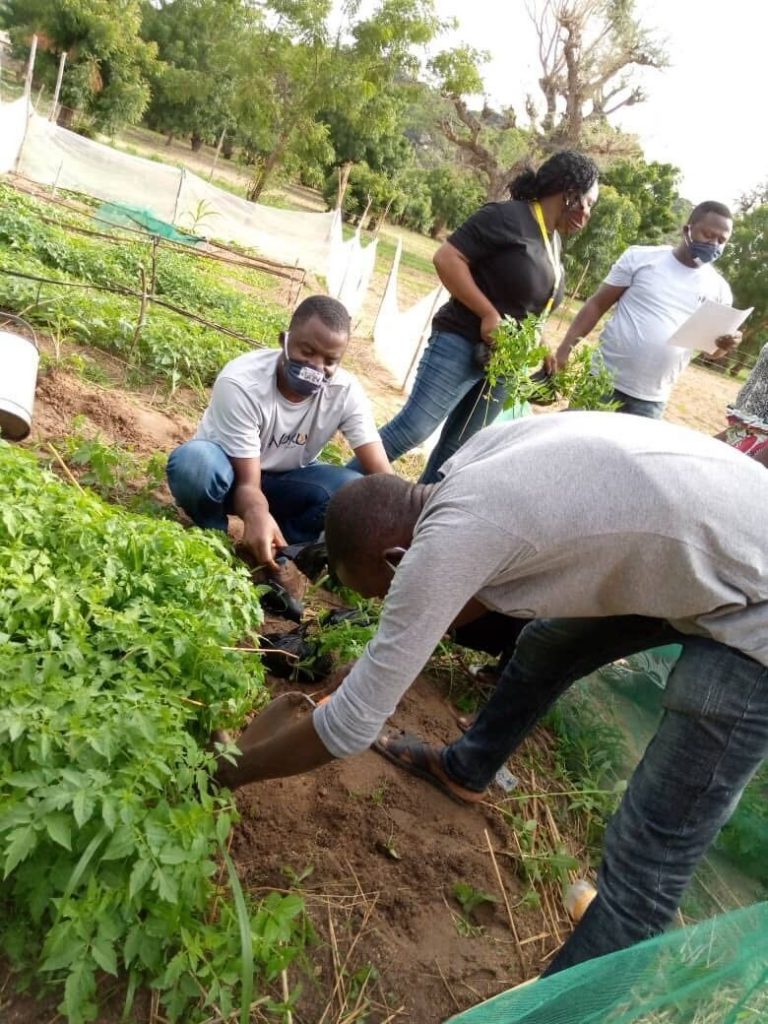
{"points": [[18, 376]]}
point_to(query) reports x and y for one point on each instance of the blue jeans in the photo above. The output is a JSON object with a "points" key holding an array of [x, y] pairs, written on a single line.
{"points": [[711, 740], [637, 406], [201, 479], [448, 384]]}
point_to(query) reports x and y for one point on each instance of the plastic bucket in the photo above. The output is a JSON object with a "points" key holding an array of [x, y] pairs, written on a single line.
{"points": [[18, 375]]}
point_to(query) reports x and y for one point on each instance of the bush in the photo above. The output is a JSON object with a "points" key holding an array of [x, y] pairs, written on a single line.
{"points": [[116, 661]]}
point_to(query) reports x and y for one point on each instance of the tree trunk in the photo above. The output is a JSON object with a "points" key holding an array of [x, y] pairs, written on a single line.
{"points": [[228, 148], [196, 141], [344, 172], [438, 227], [269, 164], [65, 117], [169, 138]]}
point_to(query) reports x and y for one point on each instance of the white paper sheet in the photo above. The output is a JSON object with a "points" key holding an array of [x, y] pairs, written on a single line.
{"points": [[710, 321]]}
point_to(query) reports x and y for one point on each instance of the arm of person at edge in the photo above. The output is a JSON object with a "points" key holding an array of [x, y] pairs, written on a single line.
{"points": [[373, 458], [589, 315], [454, 272], [261, 536]]}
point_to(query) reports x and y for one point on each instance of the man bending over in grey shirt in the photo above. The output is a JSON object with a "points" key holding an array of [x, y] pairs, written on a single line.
{"points": [[614, 534]]}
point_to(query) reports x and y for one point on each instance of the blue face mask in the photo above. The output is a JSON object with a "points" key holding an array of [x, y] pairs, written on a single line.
{"points": [[302, 378], [703, 252]]}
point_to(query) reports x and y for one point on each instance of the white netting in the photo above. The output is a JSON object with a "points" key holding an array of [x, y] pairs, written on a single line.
{"points": [[349, 270], [400, 338], [13, 119], [51, 155]]}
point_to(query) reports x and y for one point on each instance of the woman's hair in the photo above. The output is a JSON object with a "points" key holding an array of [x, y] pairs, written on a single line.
{"points": [[566, 171]]}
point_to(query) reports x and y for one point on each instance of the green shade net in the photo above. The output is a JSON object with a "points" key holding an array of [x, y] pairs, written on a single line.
{"points": [[138, 218], [715, 972]]}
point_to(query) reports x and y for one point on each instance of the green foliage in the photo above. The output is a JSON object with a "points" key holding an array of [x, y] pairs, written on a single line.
{"points": [[745, 837], [652, 190], [469, 898], [198, 48], [116, 474], [590, 254], [108, 63], [517, 352], [743, 264], [347, 640], [455, 194], [170, 346], [585, 381], [116, 662]]}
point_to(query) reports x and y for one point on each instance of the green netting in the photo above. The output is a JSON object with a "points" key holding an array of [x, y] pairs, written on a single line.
{"points": [[124, 215], [715, 972]]}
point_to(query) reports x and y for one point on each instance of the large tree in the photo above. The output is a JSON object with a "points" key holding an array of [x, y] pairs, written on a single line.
{"points": [[295, 71], [743, 264], [200, 46], [588, 51], [108, 63]]}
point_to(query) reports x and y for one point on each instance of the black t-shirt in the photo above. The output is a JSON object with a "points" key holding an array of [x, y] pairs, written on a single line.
{"points": [[508, 262]]}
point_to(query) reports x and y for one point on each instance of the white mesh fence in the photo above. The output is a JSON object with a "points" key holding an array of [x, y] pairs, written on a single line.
{"points": [[399, 338], [51, 155]]}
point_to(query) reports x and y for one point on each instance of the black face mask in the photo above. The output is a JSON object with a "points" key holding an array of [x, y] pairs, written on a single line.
{"points": [[302, 378]]}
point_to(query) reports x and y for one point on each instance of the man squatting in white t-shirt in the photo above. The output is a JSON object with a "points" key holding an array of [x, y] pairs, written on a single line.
{"points": [[255, 453], [655, 288]]}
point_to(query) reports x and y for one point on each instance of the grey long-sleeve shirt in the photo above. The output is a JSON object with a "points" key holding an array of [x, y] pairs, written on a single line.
{"points": [[570, 515]]}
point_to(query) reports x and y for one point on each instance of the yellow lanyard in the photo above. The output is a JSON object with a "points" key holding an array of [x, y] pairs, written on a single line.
{"points": [[556, 268]]}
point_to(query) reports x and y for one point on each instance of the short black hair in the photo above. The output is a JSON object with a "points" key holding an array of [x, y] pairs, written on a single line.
{"points": [[710, 206], [566, 171], [364, 518], [331, 312]]}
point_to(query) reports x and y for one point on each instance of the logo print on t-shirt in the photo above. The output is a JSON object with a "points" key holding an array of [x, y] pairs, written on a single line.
{"points": [[299, 438]]}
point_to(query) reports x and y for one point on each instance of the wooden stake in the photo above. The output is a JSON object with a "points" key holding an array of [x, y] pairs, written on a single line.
{"points": [[512, 927], [57, 89]]}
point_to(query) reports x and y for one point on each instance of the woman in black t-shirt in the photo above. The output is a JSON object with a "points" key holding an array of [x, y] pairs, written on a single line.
{"points": [[503, 261]]}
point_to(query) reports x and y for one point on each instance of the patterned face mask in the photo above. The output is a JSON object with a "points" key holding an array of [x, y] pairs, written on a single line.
{"points": [[302, 378]]}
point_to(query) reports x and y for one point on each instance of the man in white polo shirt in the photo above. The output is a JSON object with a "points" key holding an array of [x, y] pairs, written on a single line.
{"points": [[655, 289], [272, 411]]}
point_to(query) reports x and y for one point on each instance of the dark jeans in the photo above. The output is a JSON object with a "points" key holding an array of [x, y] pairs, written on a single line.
{"points": [[711, 740], [449, 386], [638, 406], [201, 479]]}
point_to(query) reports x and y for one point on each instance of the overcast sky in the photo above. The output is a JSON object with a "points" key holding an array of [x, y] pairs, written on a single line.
{"points": [[706, 113]]}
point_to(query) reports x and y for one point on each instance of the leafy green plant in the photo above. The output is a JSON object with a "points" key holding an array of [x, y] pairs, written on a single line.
{"points": [[171, 346], [116, 474], [585, 381], [469, 898], [346, 640], [117, 658], [516, 353]]}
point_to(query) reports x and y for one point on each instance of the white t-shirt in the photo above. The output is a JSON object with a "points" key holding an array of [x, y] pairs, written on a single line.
{"points": [[249, 418], [661, 294]]}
